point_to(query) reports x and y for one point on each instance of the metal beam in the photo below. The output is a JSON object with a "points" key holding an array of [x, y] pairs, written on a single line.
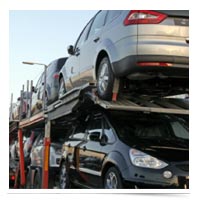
{"points": [[47, 142], [21, 158]]}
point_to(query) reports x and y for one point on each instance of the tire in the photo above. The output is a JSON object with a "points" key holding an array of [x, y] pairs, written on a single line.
{"points": [[62, 89], [112, 179], [105, 80], [64, 182], [37, 183]]}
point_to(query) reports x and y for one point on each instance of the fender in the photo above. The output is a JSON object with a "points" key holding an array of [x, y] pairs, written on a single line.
{"points": [[105, 46], [117, 160]]}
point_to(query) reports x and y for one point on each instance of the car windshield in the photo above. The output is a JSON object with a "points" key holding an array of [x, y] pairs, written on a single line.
{"points": [[134, 130]]}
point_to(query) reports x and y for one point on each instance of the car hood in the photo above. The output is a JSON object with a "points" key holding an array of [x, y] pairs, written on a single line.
{"points": [[172, 151]]}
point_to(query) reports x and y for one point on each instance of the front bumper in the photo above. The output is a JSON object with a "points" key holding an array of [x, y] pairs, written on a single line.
{"points": [[154, 178]]}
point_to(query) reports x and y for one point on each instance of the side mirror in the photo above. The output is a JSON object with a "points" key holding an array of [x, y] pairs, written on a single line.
{"points": [[70, 50], [94, 136]]}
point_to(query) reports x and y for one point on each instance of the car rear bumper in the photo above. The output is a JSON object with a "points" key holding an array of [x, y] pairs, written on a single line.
{"points": [[128, 66]]}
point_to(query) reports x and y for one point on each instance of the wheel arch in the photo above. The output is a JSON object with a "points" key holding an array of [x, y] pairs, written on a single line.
{"points": [[116, 160], [107, 166], [100, 56], [106, 48]]}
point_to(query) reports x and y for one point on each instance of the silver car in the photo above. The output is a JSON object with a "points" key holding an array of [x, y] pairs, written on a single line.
{"points": [[52, 86], [148, 51], [37, 158]]}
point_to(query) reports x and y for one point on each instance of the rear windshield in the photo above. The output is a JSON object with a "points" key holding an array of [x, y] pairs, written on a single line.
{"points": [[56, 65]]}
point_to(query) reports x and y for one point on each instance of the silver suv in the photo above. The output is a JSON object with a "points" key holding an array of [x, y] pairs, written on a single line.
{"points": [[148, 51]]}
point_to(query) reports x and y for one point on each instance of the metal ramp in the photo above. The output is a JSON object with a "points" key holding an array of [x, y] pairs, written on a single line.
{"points": [[163, 105], [86, 96], [67, 103]]}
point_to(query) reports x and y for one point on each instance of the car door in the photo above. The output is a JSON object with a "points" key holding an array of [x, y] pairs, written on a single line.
{"points": [[90, 156], [88, 50], [70, 150], [73, 62]]}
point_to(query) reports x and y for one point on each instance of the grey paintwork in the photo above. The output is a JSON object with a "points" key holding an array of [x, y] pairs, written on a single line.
{"points": [[119, 42]]}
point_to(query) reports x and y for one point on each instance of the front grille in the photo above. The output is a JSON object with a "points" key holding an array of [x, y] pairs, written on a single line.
{"points": [[183, 167]]}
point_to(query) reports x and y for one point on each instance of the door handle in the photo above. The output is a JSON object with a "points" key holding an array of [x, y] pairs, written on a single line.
{"points": [[84, 148], [96, 39]]}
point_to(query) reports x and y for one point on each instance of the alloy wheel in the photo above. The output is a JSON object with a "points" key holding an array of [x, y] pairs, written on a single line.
{"points": [[111, 181], [103, 78]]}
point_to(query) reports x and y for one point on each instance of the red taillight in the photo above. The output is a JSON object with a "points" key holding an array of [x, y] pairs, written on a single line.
{"points": [[12, 177], [56, 76], [154, 64], [144, 17]]}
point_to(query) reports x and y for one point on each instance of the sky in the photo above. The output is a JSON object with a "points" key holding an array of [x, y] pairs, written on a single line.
{"points": [[40, 36]]}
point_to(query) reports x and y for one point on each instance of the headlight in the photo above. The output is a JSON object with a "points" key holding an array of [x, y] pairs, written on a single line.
{"points": [[141, 159]]}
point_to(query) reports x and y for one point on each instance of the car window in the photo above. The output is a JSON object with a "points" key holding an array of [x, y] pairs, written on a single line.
{"points": [[60, 63], [98, 23], [179, 130], [79, 136], [108, 131], [55, 66], [112, 14], [83, 35], [40, 81], [51, 67], [94, 126], [79, 132], [132, 130]]}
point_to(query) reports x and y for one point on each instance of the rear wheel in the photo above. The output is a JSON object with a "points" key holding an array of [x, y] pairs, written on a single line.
{"points": [[112, 179], [62, 89], [105, 79], [64, 177]]}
